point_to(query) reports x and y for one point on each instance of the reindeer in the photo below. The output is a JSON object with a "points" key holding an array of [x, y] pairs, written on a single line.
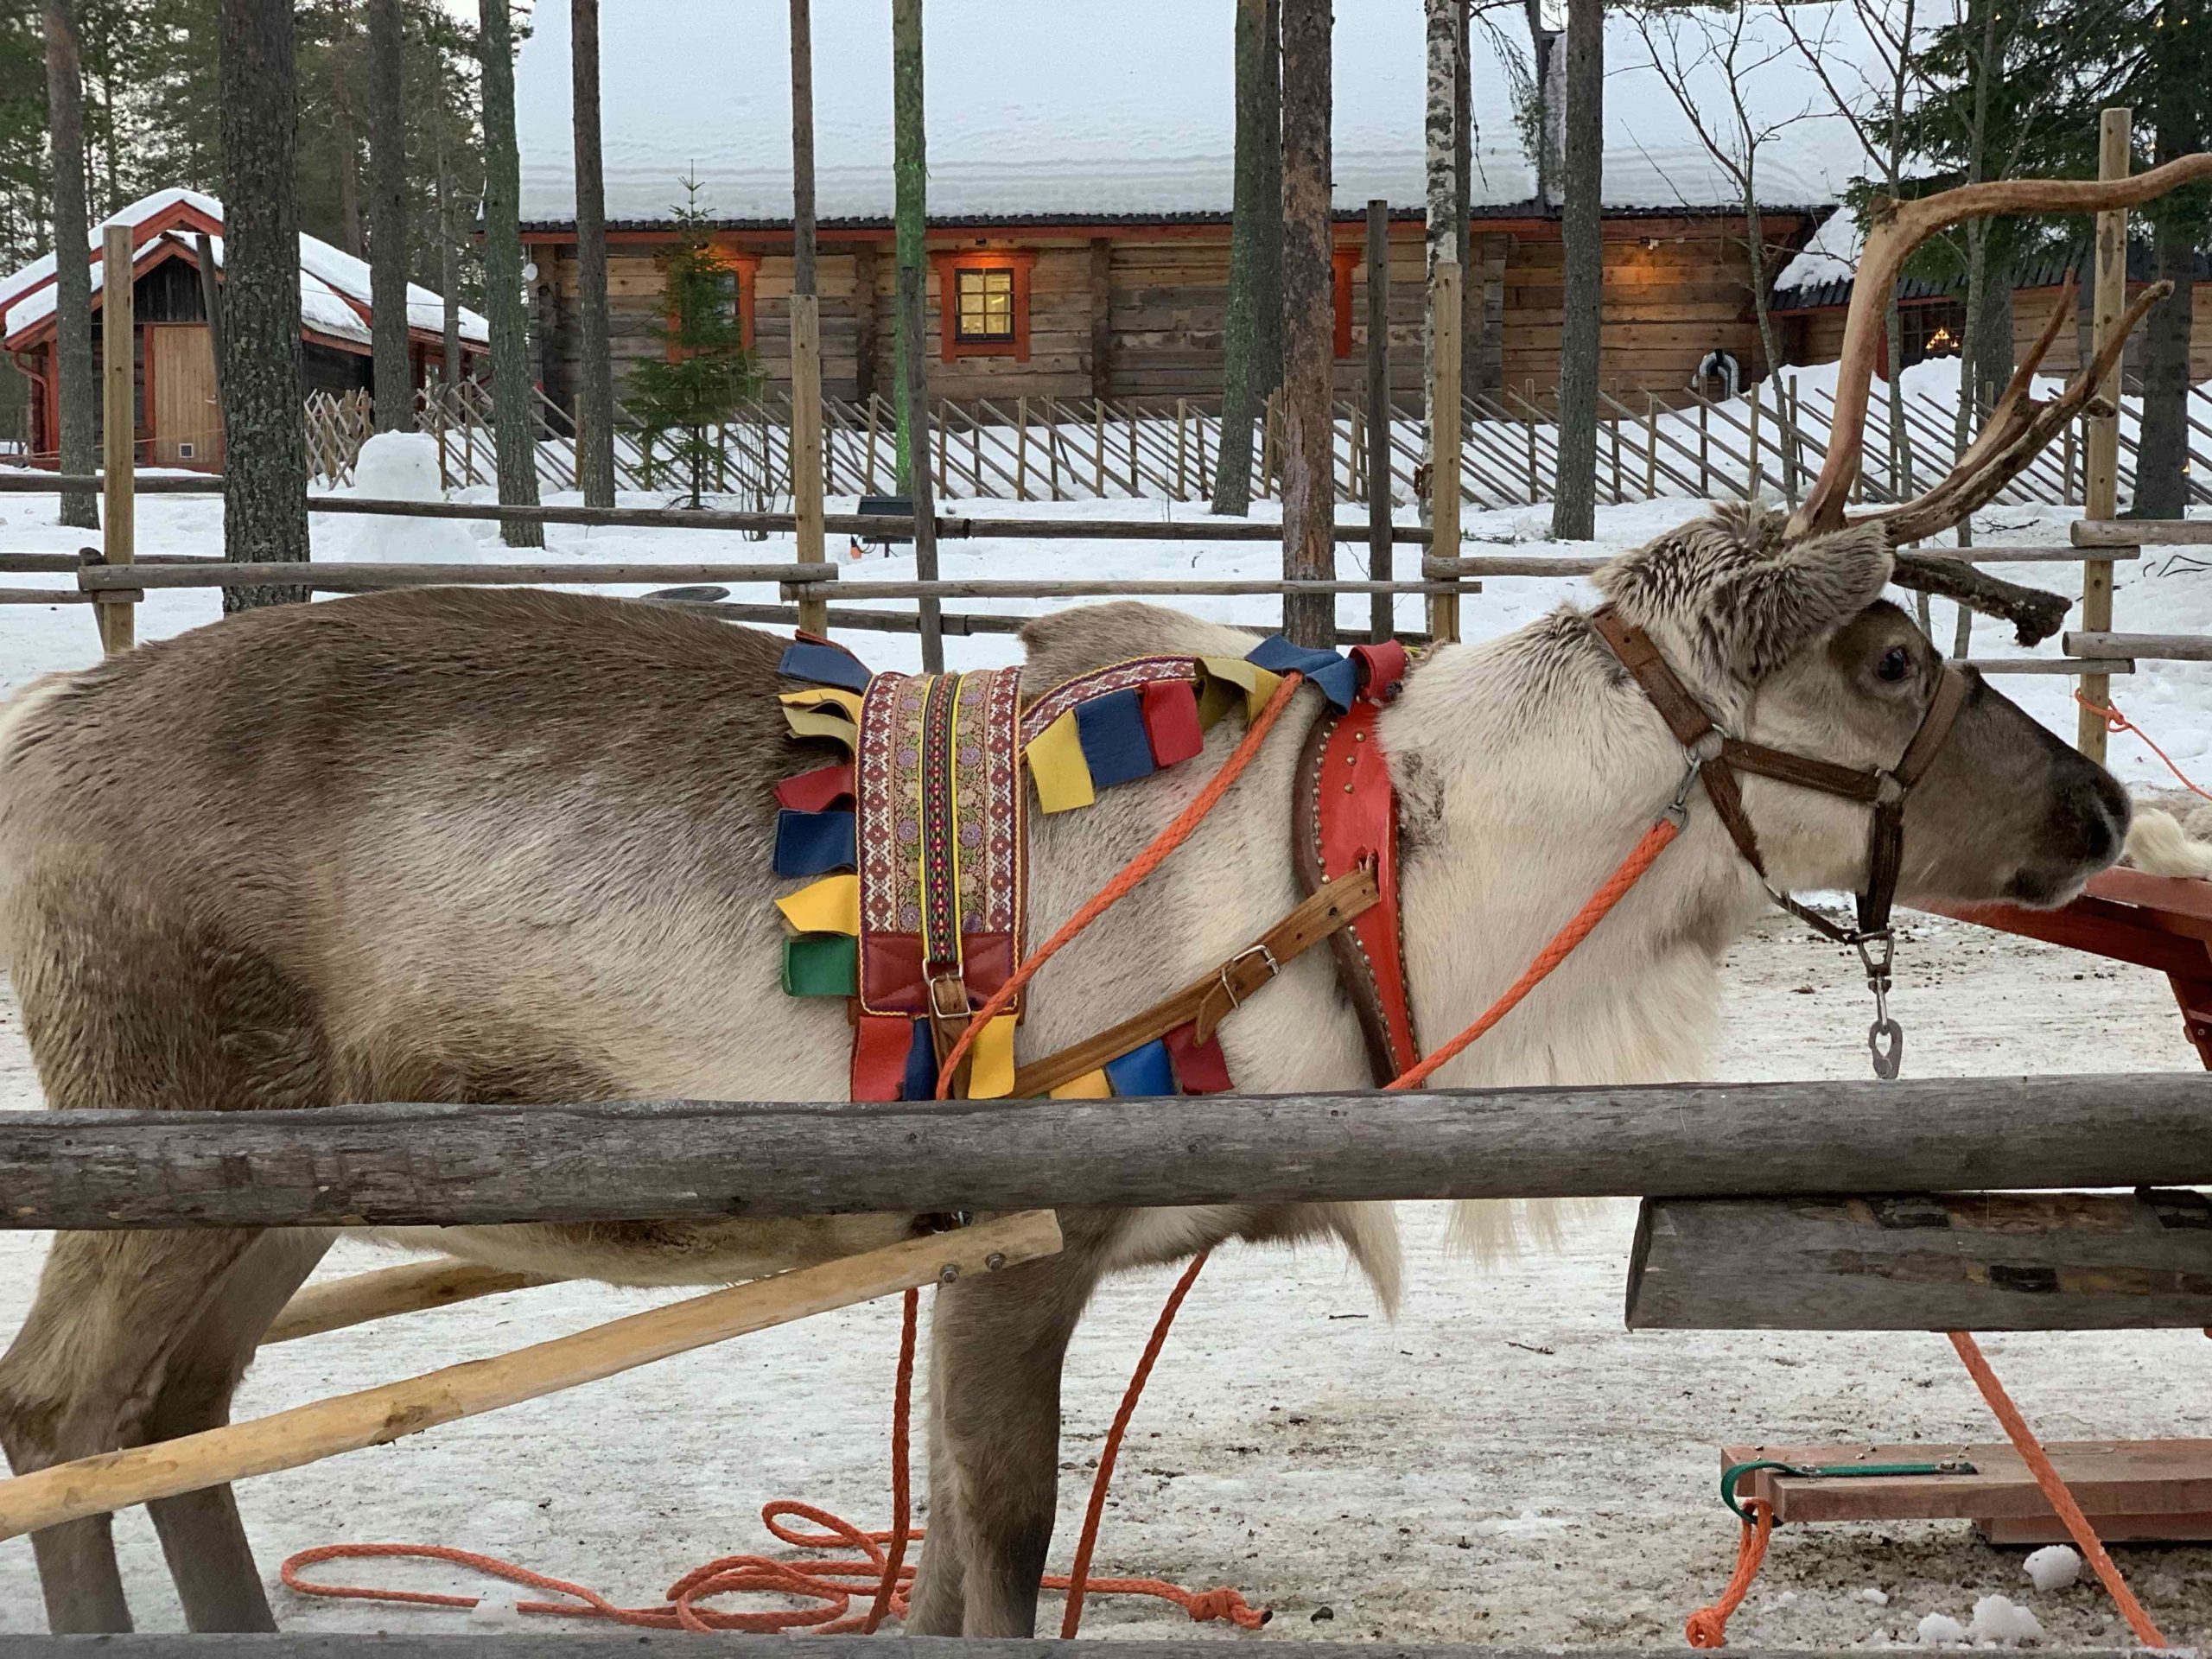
{"points": [[504, 846]]}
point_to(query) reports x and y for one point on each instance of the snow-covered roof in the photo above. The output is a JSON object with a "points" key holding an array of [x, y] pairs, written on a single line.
{"points": [[1124, 108], [1831, 257], [335, 287]]}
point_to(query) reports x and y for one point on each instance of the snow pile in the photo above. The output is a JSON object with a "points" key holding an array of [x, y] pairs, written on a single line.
{"points": [[400, 467], [1998, 1622], [2055, 1567]]}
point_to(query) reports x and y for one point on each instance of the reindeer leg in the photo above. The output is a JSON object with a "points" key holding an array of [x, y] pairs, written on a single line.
{"points": [[996, 1351], [201, 1536], [82, 1374]]}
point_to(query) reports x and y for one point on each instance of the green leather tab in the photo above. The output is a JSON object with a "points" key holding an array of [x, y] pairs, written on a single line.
{"points": [[822, 964]]}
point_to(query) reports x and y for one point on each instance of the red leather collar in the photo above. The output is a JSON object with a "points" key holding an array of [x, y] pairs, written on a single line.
{"points": [[1347, 816]]}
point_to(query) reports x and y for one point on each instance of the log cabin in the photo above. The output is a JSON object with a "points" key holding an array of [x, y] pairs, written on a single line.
{"points": [[1813, 292], [178, 421], [1080, 186]]}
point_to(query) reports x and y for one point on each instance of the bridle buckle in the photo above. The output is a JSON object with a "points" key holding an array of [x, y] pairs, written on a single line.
{"points": [[1228, 986]]}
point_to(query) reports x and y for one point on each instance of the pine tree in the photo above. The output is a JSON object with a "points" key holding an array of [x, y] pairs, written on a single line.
{"points": [[707, 370]]}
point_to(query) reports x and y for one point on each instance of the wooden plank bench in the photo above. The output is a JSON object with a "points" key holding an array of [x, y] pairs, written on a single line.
{"points": [[2132, 1491]]}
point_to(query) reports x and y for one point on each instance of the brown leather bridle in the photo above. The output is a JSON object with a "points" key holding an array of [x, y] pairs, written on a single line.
{"points": [[1715, 758]]}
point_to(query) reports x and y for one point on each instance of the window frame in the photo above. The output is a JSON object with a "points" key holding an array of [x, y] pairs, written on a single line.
{"points": [[1019, 262], [1345, 259], [744, 267]]}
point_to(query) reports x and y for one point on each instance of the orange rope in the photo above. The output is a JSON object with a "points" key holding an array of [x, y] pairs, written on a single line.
{"points": [[902, 1507], [1708, 1626], [2116, 721], [1141, 866], [2054, 1489], [1654, 841]]}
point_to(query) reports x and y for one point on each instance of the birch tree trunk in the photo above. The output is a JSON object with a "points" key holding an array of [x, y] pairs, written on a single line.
{"points": [[264, 430], [1255, 254], [595, 411], [1463, 199], [1309, 324], [1574, 502], [77, 439], [393, 377], [1441, 193], [512, 418]]}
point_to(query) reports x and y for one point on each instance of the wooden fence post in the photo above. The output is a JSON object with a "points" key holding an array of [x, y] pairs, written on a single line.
{"points": [[118, 621], [2100, 497], [1650, 446], [1182, 413], [1443, 447], [912, 289]]}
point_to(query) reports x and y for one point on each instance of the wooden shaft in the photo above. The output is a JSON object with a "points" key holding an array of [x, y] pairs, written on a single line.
{"points": [[1383, 617], [989, 588], [376, 1416], [2101, 498], [1943, 1262], [1444, 425], [408, 1288], [401, 1165], [341, 576], [2158, 647], [118, 425]]}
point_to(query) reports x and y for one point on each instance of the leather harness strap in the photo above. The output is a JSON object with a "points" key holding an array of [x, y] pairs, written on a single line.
{"points": [[1344, 820], [1207, 1000], [1720, 757]]}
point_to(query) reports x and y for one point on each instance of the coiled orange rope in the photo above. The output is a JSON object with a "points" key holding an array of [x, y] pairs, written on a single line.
{"points": [[1708, 1626]]}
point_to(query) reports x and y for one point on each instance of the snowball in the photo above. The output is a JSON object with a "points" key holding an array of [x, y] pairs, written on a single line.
{"points": [[1999, 1619], [2053, 1568], [1938, 1629], [497, 1613], [1880, 1597], [1787, 1599]]}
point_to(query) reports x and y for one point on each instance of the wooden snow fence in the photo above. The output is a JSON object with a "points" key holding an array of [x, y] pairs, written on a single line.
{"points": [[1729, 1167]]}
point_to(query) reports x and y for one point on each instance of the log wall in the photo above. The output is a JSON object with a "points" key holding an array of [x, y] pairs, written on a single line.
{"points": [[1139, 312]]}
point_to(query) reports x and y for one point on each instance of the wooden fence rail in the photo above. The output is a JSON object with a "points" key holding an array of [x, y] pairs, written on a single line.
{"points": [[438, 1165]]}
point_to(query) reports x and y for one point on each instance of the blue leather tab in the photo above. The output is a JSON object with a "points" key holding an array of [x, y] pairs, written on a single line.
{"points": [[1146, 1071], [824, 665], [814, 844], [1116, 746], [1336, 675], [921, 1066]]}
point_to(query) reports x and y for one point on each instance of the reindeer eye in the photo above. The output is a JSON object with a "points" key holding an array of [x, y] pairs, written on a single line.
{"points": [[1895, 663]]}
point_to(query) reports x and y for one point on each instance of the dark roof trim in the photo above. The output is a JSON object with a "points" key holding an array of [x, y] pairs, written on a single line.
{"points": [[2048, 272], [1530, 209]]}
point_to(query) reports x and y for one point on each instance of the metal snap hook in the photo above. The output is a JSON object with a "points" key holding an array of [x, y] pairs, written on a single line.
{"points": [[1885, 1042]]}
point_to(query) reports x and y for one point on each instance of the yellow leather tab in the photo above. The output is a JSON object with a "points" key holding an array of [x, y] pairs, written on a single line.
{"points": [[1091, 1085], [1225, 677], [821, 723], [829, 905], [991, 1060], [1057, 766], [816, 696]]}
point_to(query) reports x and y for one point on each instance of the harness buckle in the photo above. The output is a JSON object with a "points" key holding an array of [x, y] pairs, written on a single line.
{"points": [[1228, 986]]}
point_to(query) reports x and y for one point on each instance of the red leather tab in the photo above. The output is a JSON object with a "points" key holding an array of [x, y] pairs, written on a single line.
{"points": [[817, 790], [1171, 720], [881, 1043], [1358, 814], [1381, 671], [1200, 1068]]}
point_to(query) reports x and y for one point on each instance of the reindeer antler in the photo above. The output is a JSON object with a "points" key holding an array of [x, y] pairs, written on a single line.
{"points": [[2020, 425]]}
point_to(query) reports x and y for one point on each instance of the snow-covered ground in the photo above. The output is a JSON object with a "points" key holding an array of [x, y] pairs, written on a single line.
{"points": [[1503, 1464]]}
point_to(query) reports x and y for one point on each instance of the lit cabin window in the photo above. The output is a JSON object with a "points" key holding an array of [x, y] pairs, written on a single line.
{"points": [[985, 306]]}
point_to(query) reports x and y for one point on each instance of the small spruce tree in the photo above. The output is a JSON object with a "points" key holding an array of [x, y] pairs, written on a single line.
{"points": [[681, 399]]}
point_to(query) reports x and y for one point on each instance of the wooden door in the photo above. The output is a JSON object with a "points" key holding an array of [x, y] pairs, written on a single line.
{"points": [[187, 421]]}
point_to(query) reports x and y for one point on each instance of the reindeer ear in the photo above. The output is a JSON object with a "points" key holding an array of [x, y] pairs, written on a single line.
{"points": [[1747, 598], [1772, 605]]}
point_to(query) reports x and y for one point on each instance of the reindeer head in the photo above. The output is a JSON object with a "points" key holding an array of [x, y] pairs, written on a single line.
{"points": [[1776, 624]]}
